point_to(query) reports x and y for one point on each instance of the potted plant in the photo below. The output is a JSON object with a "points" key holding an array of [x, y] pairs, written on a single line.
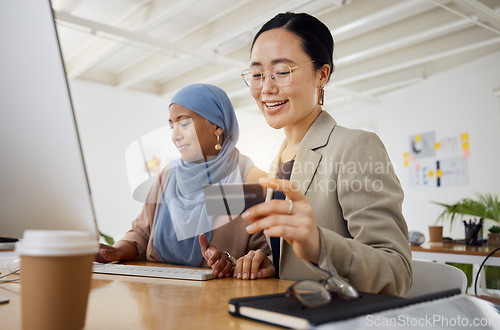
{"points": [[494, 236], [484, 206]]}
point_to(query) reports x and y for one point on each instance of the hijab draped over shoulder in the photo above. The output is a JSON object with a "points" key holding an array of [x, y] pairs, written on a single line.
{"points": [[182, 216]]}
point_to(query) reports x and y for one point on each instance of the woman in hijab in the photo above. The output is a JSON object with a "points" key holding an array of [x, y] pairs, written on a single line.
{"points": [[173, 226]]}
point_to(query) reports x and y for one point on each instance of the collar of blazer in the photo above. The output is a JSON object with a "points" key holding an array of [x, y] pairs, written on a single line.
{"points": [[307, 159], [319, 133]]}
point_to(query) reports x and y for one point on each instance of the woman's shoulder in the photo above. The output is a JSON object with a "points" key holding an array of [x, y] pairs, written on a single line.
{"points": [[163, 175], [348, 142], [326, 132], [350, 136], [346, 132]]}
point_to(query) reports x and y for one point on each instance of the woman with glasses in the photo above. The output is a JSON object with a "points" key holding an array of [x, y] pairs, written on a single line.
{"points": [[333, 199], [173, 226]]}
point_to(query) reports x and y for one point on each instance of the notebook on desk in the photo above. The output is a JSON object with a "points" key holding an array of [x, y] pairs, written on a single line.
{"points": [[279, 310]]}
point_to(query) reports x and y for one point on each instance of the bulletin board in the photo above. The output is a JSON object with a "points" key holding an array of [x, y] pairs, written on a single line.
{"points": [[435, 161]]}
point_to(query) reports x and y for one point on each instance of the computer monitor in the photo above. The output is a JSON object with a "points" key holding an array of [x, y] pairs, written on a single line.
{"points": [[43, 181]]}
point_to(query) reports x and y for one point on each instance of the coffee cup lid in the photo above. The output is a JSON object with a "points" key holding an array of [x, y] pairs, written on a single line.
{"points": [[56, 243]]}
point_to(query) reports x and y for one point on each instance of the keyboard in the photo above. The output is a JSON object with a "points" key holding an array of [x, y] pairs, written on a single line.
{"points": [[152, 271]]}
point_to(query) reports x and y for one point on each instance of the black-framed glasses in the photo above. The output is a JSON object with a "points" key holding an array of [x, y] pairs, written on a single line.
{"points": [[280, 74]]}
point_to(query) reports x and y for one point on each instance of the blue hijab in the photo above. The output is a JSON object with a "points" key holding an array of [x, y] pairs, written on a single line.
{"points": [[182, 215]]}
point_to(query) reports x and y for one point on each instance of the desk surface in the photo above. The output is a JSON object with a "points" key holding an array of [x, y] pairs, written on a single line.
{"points": [[127, 302], [118, 302], [454, 252], [455, 248]]}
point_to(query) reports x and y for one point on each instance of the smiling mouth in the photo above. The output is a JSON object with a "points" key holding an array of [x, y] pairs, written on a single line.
{"points": [[272, 105], [181, 147]]}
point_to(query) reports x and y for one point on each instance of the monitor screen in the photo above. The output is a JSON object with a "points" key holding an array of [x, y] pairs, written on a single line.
{"points": [[43, 182]]}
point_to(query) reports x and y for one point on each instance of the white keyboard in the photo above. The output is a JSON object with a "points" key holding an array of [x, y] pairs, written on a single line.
{"points": [[152, 271]]}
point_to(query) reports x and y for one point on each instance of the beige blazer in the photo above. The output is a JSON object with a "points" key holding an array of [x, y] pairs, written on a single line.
{"points": [[356, 198]]}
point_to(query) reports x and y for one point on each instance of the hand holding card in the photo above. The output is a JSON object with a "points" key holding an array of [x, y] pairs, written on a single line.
{"points": [[232, 198]]}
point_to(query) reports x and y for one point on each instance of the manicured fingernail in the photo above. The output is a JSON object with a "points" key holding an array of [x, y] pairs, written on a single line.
{"points": [[245, 214], [239, 275], [259, 275], [220, 275], [245, 275], [249, 228], [215, 272], [252, 276]]}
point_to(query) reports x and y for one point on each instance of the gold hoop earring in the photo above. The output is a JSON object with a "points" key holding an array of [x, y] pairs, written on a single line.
{"points": [[321, 96], [218, 146]]}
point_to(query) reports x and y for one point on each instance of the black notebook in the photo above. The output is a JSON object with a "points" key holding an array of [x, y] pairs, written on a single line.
{"points": [[279, 310]]}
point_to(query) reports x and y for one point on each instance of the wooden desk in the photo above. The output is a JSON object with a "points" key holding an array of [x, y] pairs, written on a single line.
{"points": [[454, 252], [127, 302], [460, 253]]}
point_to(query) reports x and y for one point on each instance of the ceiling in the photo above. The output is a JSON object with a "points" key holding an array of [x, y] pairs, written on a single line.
{"points": [[159, 46]]}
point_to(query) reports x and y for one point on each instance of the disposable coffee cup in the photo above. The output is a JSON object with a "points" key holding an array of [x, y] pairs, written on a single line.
{"points": [[56, 268], [436, 234]]}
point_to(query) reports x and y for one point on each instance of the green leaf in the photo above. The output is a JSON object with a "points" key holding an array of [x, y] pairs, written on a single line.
{"points": [[107, 238], [486, 206], [494, 229]]}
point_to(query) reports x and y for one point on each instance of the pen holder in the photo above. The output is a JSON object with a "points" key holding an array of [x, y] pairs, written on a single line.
{"points": [[474, 234]]}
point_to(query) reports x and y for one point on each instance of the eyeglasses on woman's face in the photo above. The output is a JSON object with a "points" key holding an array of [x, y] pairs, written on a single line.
{"points": [[280, 74]]}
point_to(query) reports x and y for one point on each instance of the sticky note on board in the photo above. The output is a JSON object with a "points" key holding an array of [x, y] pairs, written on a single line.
{"points": [[466, 153], [431, 174], [439, 173], [418, 138], [437, 146], [465, 146], [465, 136]]}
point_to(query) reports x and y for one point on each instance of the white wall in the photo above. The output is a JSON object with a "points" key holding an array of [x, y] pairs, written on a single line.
{"points": [[460, 100]]}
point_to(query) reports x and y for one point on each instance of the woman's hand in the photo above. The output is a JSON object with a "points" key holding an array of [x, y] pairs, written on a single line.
{"points": [[253, 265], [291, 219], [221, 266], [122, 250]]}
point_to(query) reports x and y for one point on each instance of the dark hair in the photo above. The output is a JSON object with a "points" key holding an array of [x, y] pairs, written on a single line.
{"points": [[317, 41]]}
